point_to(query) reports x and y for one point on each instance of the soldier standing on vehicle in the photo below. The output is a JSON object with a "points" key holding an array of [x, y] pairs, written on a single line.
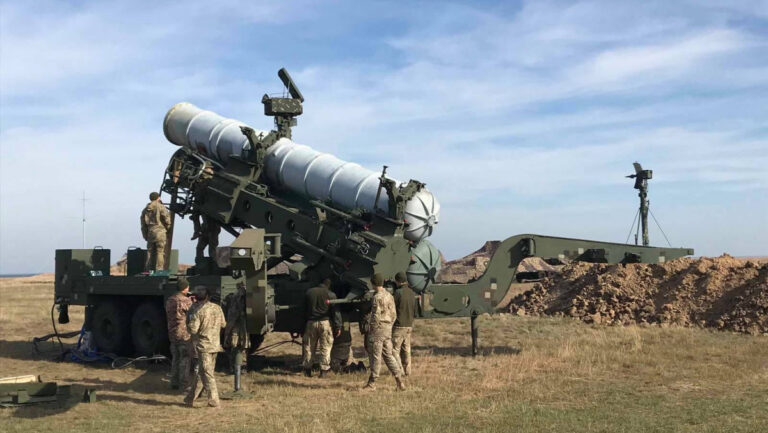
{"points": [[207, 235], [323, 322], [176, 308], [205, 325], [383, 316], [405, 304], [155, 222]]}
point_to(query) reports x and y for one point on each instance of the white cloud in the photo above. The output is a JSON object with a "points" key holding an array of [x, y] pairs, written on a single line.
{"points": [[669, 59], [521, 120]]}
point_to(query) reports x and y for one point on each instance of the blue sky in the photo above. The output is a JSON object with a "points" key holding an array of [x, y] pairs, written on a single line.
{"points": [[522, 117]]}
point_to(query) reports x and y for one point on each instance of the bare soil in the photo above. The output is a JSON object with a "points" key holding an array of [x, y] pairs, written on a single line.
{"points": [[723, 293]]}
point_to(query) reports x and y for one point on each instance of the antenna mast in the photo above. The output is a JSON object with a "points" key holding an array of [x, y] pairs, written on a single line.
{"points": [[83, 200], [641, 184]]}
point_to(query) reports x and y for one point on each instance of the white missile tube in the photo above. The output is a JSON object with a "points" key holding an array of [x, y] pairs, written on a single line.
{"points": [[298, 168], [205, 131]]}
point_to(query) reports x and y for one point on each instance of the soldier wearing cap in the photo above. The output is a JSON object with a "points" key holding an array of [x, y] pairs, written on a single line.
{"points": [[405, 304], [176, 308], [383, 315], [322, 324], [155, 222], [205, 324]]}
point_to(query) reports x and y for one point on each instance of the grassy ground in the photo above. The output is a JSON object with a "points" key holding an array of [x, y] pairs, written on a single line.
{"points": [[535, 375]]}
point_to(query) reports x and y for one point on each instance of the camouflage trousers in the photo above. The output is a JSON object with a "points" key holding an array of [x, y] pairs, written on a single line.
{"points": [[401, 345], [317, 342], [209, 240], [341, 352], [380, 346], [156, 254], [180, 364], [204, 379]]}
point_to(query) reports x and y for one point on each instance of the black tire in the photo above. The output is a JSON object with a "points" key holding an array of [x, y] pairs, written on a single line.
{"points": [[149, 329], [111, 327]]}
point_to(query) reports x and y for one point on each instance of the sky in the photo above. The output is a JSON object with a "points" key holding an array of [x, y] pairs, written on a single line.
{"points": [[520, 116]]}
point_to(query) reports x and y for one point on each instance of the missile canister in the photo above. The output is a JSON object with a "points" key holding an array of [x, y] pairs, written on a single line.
{"points": [[426, 262], [297, 167], [205, 131]]}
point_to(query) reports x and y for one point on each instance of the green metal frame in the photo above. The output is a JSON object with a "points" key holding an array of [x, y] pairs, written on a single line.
{"points": [[484, 294]]}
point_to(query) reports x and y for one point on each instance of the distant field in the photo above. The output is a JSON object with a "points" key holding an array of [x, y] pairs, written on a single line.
{"points": [[535, 375]]}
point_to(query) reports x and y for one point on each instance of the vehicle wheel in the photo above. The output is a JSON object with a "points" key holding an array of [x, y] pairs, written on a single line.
{"points": [[111, 327], [149, 330]]}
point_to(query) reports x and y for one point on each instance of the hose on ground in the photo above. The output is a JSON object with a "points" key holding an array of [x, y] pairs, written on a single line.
{"points": [[84, 354]]}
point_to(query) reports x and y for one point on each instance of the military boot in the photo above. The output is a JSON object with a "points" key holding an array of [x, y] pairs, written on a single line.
{"points": [[400, 384], [371, 385], [308, 372], [323, 373]]}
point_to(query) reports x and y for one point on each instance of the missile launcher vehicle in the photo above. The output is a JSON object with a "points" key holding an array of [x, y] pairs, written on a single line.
{"points": [[321, 216]]}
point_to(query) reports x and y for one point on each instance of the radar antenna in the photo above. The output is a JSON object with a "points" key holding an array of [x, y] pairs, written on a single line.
{"points": [[641, 184]]}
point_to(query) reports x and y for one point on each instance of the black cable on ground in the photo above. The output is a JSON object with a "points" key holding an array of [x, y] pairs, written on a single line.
{"points": [[117, 362], [261, 350], [122, 362], [56, 331], [37, 340]]}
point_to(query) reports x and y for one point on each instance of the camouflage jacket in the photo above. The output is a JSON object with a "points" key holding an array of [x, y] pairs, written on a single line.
{"points": [[383, 314], [155, 221], [236, 333], [176, 307], [204, 325]]}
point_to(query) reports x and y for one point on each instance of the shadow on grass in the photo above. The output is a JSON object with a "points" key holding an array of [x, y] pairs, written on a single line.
{"points": [[43, 410], [281, 364], [25, 350], [141, 401], [152, 380], [316, 384], [465, 351]]}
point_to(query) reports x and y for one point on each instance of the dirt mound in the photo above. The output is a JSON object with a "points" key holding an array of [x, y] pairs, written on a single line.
{"points": [[121, 267], [468, 268], [473, 266], [723, 293]]}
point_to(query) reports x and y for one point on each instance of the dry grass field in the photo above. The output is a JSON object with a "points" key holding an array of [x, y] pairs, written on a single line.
{"points": [[535, 375]]}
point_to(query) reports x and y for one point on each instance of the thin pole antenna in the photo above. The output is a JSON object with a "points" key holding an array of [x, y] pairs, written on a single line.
{"points": [[83, 200]]}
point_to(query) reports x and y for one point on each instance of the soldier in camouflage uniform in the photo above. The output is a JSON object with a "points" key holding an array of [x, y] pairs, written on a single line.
{"points": [[405, 304], [205, 325], [323, 322], [207, 235], [365, 319], [176, 308], [155, 222], [236, 338], [380, 335], [193, 358], [341, 352]]}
